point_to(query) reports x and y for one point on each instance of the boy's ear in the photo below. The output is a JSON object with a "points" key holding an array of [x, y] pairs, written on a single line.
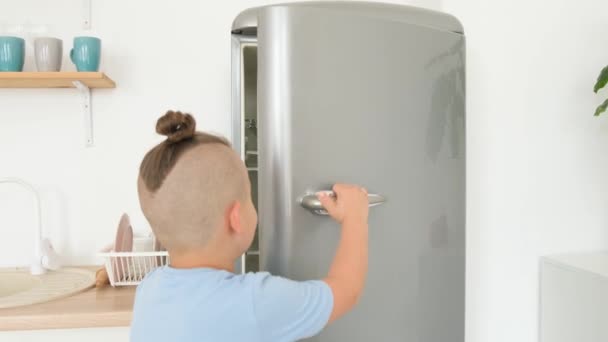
{"points": [[234, 217]]}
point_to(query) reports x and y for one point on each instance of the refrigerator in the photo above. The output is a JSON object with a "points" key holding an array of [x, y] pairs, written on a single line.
{"points": [[364, 93]]}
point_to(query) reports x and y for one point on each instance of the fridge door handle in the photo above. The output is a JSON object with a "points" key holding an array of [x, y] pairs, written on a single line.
{"points": [[312, 203]]}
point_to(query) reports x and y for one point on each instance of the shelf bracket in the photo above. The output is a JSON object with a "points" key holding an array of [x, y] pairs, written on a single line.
{"points": [[88, 116], [86, 14]]}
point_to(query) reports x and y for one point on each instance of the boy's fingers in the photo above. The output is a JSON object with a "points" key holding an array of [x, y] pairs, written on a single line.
{"points": [[337, 188], [328, 202]]}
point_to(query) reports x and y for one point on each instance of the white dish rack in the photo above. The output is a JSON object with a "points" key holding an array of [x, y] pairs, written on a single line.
{"points": [[130, 268]]}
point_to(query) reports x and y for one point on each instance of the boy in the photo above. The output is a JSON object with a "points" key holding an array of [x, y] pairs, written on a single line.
{"points": [[195, 192]]}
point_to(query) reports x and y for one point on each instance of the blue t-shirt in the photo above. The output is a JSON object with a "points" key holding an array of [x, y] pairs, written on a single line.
{"points": [[208, 305]]}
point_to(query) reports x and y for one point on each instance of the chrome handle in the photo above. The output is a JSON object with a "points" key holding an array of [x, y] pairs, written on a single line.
{"points": [[312, 203]]}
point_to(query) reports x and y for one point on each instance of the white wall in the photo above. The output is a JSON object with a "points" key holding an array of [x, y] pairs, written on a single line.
{"points": [[162, 55], [537, 160]]}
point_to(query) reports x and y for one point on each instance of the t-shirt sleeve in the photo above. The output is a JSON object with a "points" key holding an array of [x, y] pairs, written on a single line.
{"points": [[288, 310]]}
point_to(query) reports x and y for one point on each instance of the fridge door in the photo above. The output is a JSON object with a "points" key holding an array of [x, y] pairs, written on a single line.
{"points": [[345, 97], [244, 125]]}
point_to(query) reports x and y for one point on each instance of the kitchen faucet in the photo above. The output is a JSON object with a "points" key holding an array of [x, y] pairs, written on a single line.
{"points": [[45, 258]]}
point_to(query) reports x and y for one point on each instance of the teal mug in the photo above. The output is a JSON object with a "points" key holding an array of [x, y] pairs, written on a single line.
{"points": [[86, 53], [12, 53]]}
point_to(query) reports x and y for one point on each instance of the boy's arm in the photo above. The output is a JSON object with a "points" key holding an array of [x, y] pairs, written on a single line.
{"points": [[287, 310], [346, 277]]}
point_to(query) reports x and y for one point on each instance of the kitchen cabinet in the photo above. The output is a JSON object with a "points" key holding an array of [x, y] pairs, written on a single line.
{"points": [[574, 298]]}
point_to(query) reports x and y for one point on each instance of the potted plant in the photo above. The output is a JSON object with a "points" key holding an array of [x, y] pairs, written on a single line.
{"points": [[602, 80]]}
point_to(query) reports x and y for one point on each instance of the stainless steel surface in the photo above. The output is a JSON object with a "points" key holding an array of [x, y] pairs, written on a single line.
{"points": [[312, 203], [384, 101], [246, 22], [383, 96]]}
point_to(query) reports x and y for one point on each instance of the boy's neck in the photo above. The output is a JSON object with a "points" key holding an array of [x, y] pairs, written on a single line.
{"points": [[201, 259]]}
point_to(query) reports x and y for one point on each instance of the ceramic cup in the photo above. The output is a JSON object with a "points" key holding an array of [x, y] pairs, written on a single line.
{"points": [[48, 54], [86, 53], [12, 53]]}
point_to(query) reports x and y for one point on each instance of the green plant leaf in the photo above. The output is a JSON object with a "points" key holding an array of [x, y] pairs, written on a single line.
{"points": [[602, 80], [602, 108]]}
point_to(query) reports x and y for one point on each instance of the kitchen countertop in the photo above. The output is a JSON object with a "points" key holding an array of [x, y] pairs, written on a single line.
{"points": [[104, 307]]}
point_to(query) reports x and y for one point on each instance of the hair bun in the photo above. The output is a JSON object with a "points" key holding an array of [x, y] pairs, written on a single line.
{"points": [[177, 126]]}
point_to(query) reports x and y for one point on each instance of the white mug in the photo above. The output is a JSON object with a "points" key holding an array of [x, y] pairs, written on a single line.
{"points": [[48, 53]]}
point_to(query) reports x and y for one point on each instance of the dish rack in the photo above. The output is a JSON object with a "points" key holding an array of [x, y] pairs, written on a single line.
{"points": [[130, 268]]}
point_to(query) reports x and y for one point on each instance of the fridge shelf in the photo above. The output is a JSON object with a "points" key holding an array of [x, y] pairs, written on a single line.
{"points": [[251, 123]]}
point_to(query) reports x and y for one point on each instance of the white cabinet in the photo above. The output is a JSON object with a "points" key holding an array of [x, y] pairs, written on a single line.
{"points": [[574, 298]]}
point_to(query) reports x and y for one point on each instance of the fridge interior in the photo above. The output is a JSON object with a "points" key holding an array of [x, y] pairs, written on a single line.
{"points": [[249, 137]]}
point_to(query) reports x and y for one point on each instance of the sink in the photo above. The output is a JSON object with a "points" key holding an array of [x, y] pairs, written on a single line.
{"points": [[15, 282], [18, 287]]}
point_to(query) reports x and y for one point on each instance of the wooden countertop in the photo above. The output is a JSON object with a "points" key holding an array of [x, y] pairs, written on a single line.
{"points": [[105, 307]]}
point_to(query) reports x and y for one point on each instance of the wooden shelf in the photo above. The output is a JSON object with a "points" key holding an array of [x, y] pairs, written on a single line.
{"points": [[54, 80]]}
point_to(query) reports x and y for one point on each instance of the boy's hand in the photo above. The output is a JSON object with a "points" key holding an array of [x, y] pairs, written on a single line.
{"points": [[350, 203]]}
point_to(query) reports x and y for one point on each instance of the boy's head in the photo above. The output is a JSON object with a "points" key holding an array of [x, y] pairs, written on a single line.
{"points": [[195, 192]]}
